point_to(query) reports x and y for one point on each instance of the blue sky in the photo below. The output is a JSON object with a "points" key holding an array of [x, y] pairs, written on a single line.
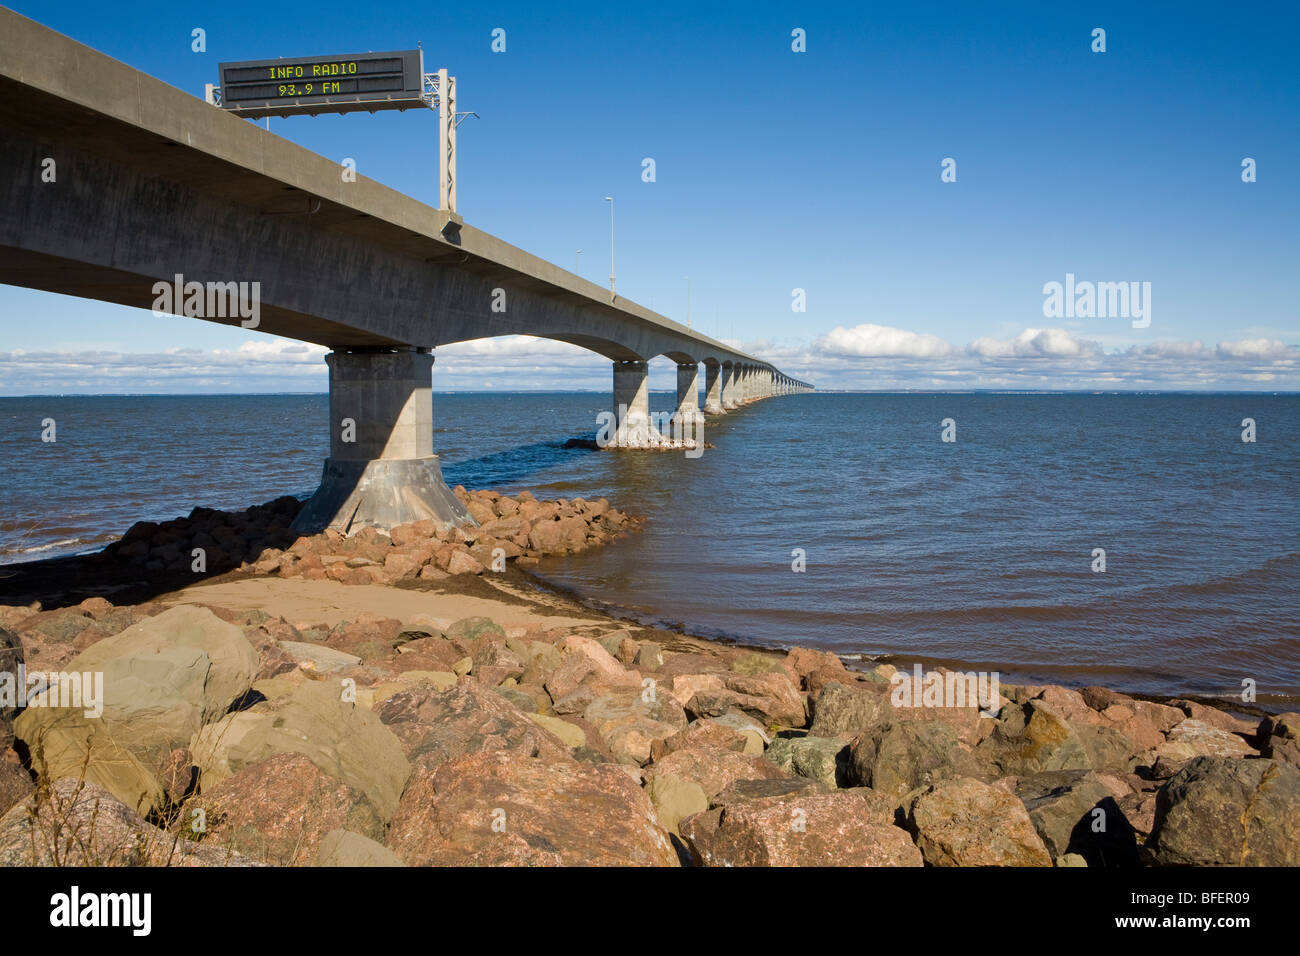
{"points": [[778, 170]]}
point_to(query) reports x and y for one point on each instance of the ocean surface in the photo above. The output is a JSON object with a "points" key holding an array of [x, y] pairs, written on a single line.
{"points": [[977, 552]]}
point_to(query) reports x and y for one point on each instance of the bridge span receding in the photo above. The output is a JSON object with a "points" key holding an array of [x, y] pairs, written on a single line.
{"points": [[151, 183]]}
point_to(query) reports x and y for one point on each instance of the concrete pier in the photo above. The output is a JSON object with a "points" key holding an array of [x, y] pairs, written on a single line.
{"points": [[713, 389], [632, 406], [381, 471], [728, 386], [688, 412]]}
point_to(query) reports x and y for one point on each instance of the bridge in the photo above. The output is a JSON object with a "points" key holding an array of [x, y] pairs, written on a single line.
{"points": [[112, 182]]}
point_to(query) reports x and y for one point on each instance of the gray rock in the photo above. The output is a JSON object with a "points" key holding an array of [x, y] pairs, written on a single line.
{"points": [[1224, 811], [900, 757], [675, 798], [781, 753], [841, 709], [770, 790], [1031, 739], [521, 699], [11, 655], [756, 737], [474, 629], [1075, 814], [1106, 747], [964, 822], [345, 848], [649, 656], [323, 659], [347, 742], [163, 680], [435, 726], [824, 759], [166, 676]]}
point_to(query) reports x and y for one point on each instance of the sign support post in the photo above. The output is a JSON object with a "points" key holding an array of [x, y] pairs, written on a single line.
{"points": [[447, 141]]}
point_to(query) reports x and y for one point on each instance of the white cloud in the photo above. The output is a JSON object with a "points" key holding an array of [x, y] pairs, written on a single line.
{"points": [[1034, 343], [1262, 350], [881, 341], [863, 357]]}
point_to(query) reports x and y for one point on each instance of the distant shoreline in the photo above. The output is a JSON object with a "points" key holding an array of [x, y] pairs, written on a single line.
{"points": [[602, 391]]}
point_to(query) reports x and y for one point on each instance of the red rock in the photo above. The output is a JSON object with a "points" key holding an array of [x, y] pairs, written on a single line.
{"points": [[92, 635], [462, 563], [435, 726], [498, 809], [15, 782], [789, 707], [1218, 719], [562, 534], [584, 661], [1099, 698], [768, 698], [405, 534], [94, 828], [814, 681], [538, 511], [1070, 704], [700, 733], [401, 565], [278, 809], [803, 829], [1145, 727], [96, 607], [714, 769]]}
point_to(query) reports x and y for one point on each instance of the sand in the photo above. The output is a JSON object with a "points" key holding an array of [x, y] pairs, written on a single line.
{"points": [[305, 603]]}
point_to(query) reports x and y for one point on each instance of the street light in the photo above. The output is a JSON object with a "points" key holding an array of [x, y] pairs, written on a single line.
{"points": [[577, 262], [610, 200]]}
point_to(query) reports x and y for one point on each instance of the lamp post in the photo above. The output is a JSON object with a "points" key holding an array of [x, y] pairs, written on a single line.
{"points": [[577, 262], [610, 200]]}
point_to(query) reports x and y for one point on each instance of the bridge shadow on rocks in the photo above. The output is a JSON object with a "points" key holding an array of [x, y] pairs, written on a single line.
{"points": [[156, 558]]}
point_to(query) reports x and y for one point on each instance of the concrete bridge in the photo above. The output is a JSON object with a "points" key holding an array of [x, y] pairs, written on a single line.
{"points": [[112, 181]]}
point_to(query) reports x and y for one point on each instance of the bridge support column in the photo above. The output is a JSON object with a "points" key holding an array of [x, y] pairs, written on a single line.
{"points": [[632, 406], [688, 397], [729, 386], [381, 471], [713, 390]]}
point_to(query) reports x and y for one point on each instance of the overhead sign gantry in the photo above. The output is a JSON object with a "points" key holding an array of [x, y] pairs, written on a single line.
{"points": [[308, 85], [311, 85]]}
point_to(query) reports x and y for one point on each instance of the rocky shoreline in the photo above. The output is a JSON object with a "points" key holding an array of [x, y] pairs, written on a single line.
{"points": [[244, 722]]}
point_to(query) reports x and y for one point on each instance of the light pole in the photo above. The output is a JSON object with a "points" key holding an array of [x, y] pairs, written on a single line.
{"points": [[610, 200], [577, 262], [688, 302]]}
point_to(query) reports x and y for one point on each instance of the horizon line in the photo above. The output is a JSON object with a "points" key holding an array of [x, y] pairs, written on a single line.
{"points": [[669, 391]]}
